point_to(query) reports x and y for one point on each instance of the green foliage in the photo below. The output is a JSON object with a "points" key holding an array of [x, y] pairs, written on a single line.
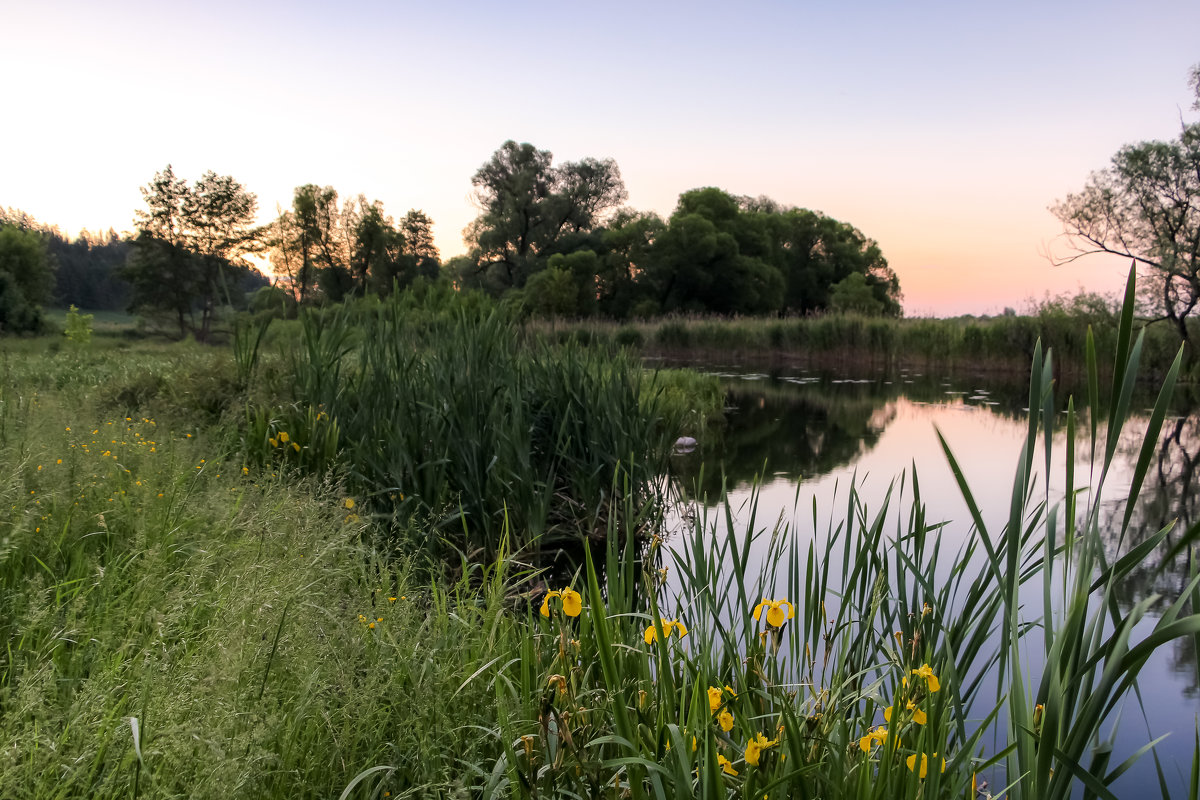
{"points": [[450, 424], [530, 207], [852, 295], [26, 279], [187, 255], [79, 326], [552, 293], [239, 616]]}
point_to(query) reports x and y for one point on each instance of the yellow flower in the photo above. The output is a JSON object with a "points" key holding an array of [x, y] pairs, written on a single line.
{"points": [[726, 765], [283, 437], [714, 699], [918, 715], [651, 634], [775, 612], [931, 680], [873, 737], [911, 761], [725, 720], [755, 747], [273, 442], [391, 599], [572, 603], [296, 447], [349, 502]]}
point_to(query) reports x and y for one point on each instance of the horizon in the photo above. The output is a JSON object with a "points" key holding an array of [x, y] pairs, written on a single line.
{"points": [[918, 126]]}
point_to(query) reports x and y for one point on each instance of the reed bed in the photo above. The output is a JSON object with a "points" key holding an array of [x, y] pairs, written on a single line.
{"points": [[454, 430], [999, 345], [189, 612]]}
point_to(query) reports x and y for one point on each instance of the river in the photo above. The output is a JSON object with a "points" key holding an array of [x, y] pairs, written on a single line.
{"points": [[798, 440]]}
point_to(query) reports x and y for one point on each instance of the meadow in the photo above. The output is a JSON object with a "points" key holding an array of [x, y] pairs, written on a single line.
{"points": [[320, 564]]}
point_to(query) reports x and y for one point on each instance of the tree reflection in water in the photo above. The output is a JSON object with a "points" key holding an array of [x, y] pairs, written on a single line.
{"points": [[1171, 495]]}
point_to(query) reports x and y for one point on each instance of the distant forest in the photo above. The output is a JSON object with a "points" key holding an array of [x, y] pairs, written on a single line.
{"points": [[550, 239], [86, 270]]}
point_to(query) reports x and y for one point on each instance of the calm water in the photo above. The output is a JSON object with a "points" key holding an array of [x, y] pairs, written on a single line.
{"points": [[815, 433]]}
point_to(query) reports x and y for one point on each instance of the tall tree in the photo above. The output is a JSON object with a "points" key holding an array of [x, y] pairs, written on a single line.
{"points": [[324, 245], [1146, 206], [220, 214], [710, 257], [161, 268], [189, 246], [815, 252], [528, 204]]}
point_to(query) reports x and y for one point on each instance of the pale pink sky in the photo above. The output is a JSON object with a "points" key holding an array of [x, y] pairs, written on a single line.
{"points": [[942, 130]]}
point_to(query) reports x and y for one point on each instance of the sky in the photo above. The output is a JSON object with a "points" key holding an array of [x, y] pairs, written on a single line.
{"points": [[944, 131]]}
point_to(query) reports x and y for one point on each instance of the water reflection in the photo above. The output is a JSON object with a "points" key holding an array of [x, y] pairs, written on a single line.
{"points": [[814, 433]]}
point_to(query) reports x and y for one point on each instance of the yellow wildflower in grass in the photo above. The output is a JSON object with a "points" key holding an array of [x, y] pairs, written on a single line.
{"points": [[651, 634], [874, 736], [391, 599], [911, 762], [726, 765], [572, 602], [931, 680], [755, 747], [714, 699], [273, 442], [725, 720], [775, 613], [918, 715], [296, 447], [283, 437], [349, 502]]}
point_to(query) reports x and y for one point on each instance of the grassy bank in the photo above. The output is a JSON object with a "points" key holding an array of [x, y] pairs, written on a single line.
{"points": [[190, 611]]}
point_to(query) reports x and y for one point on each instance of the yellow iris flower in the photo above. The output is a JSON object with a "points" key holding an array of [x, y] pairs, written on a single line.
{"points": [[931, 680], [873, 737], [775, 613], [918, 715], [755, 747], [726, 765], [714, 699], [572, 602], [651, 634], [911, 761], [725, 719]]}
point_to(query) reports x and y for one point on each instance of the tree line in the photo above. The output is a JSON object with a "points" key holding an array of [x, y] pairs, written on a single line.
{"points": [[558, 240], [550, 239]]}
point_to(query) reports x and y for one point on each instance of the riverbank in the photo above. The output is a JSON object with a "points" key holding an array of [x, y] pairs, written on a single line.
{"points": [[213, 593], [1000, 346]]}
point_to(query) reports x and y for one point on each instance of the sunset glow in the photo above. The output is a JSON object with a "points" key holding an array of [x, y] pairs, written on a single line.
{"points": [[943, 131]]}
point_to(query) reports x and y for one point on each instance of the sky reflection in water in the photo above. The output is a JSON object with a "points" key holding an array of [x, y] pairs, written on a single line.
{"points": [[818, 434]]}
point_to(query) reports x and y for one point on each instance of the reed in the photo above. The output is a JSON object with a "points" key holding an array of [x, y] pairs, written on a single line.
{"points": [[455, 430], [181, 620]]}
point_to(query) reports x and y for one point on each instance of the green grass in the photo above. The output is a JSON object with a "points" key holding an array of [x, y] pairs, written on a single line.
{"points": [[184, 618]]}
